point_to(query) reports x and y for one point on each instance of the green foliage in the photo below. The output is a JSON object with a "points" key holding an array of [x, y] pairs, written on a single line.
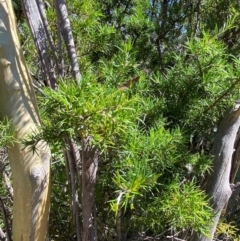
{"points": [[147, 157], [90, 110], [200, 86], [7, 133], [155, 134], [60, 215], [181, 206], [147, 180], [102, 107], [200, 164], [226, 230], [143, 159], [122, 67]]}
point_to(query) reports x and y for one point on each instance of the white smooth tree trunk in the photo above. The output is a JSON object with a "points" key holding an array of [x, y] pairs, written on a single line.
{"points": [[30, 171]]}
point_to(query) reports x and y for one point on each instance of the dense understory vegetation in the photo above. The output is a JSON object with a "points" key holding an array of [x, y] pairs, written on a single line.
{"points": [[157, 78]]}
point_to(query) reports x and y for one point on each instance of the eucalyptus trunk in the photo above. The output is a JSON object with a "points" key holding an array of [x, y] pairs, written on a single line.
{"points": [[30, 170], [218, 187]]}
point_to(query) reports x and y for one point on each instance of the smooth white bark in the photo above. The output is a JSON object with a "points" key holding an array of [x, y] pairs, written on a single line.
{"points": [[30, 171]]}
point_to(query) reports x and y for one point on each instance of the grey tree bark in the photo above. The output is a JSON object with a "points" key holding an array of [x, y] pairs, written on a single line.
{"points": [[218, 187], [72, 158], [42, 12], [40, 37], [89, 172], [62, 13], [235, 159]]}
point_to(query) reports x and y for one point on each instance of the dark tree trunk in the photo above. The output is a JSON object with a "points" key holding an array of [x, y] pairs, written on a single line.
{"points": [[72, 158], [89, 171]]}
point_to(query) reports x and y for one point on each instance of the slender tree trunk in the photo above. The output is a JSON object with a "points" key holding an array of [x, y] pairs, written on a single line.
{"points": [[87, 166], [30, 171], [42, 12], [89, 171], [218, 187], [40, 37], [72, 157], [6, 222], [233, 202], [235, 159], [60, 6], [119, 225]]}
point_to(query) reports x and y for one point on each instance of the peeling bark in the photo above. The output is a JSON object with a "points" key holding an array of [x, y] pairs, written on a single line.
{"points": [[218, 187], [30, 171]]}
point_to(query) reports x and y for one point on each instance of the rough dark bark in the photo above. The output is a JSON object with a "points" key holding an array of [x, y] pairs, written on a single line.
{"points": [[6, 214], [218, 187], [39, 33], [89, 171], [60, 47]]}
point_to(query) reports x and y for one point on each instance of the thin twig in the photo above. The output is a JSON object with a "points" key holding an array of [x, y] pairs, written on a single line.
{"points": [[5, 220], [175, 238], [222, 96]]}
